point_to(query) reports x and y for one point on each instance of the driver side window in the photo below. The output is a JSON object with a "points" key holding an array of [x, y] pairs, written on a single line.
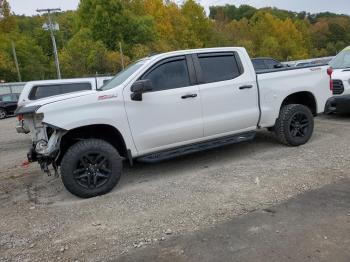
{"points": [[169, 75]]}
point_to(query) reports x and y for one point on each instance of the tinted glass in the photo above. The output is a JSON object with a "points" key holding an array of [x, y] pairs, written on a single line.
{"points": [[218, 68], [6, 98], [173, 74], [259, 64], [271, 63], [123, 75], [59, 89], [342, 60]]}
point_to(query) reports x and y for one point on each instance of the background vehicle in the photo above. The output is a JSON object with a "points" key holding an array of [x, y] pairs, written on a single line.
{"points": [[8, 104], [340, 102], [168, 105], [36, 90], [265, 63], [301, 64]]}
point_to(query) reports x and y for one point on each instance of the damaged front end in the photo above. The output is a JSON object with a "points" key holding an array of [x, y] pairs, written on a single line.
{"points": [[45, 139]]}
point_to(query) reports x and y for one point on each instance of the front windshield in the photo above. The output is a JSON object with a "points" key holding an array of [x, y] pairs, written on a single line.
{"points": [[123, 75], [342, 60]]}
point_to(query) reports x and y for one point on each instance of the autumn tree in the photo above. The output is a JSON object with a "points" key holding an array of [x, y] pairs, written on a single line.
{"points": [[7, 20], [83, 56], [111, 22]]}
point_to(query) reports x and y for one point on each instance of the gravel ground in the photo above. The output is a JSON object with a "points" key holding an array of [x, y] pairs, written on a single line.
{"points": [[40, 220]]}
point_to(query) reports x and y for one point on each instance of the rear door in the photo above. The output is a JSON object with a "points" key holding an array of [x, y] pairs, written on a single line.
{"points": [[169, 115], [228, 92]]}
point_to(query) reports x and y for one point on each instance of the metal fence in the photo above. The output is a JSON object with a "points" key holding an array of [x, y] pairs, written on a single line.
{"points": [[7, 88]]}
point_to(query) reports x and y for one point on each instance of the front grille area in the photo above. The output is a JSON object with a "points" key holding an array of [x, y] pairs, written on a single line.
{"points": [[338, 87]]}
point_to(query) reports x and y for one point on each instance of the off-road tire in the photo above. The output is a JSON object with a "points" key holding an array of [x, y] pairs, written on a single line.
{"points": [[283, 127], [2, 113], [72, 162]]}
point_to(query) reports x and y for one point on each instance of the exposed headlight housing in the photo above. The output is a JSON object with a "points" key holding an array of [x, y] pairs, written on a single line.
{"points": [[41, 146]]}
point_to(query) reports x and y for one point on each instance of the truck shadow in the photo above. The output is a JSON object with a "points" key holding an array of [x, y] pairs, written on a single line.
{"points": [[145, 172]]}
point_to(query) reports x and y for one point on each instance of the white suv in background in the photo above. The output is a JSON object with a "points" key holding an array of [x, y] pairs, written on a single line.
{"points": [[36, 90], [340, 102]]}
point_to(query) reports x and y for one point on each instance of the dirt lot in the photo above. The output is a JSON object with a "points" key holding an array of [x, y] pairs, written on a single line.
{"points": [[40, 220]]}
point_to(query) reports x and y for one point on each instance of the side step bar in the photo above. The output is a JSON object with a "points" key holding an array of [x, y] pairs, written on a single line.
{"points": [[189, 149]]}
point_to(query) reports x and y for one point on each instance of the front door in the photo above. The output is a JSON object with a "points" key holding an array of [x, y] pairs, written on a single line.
{"points": [[169, 115]]}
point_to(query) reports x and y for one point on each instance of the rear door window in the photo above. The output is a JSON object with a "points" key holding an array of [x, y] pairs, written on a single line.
{"points": [[218, 67], [43, 91]]}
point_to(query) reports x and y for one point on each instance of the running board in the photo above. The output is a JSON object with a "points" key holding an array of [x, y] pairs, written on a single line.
{"points": [[189, 149]]}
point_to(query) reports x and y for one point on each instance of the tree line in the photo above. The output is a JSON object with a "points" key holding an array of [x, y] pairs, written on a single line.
{"points": [[88, 39]]}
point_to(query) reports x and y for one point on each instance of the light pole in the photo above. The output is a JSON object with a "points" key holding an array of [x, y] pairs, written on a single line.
{"points": [[48, 11]]}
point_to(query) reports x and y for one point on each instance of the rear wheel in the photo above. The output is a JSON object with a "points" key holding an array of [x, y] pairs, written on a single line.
{"points": [[90, 168], [2, 113], [294, 125]]}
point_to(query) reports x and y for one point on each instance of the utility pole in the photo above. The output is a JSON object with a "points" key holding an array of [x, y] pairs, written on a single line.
{"points": [[48, 11], [16, 61], [121, 53]]}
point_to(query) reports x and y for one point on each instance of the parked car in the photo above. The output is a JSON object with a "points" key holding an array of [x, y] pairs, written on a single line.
{"points": [[266, 63], [8, 104], [340, 102], [36, 90], [168, 105]]}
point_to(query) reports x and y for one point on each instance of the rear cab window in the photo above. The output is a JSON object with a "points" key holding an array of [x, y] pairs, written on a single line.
{"points": [[43, 91]]}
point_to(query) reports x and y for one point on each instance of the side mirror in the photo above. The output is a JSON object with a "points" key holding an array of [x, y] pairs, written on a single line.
{"points": [[139, 87]]}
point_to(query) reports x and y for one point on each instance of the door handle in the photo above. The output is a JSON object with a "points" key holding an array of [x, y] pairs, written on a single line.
{"points": [[245, 87], [189, 96]]}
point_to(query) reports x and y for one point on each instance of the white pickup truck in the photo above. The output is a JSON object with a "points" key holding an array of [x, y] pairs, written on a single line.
{"points": [[340, 66], [168, 105]]}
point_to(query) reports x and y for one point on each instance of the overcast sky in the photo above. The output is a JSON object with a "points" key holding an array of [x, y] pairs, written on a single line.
{"points": [[28, 7]]}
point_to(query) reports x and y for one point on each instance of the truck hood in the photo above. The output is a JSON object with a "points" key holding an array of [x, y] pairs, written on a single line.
{"points": [[54, 99]]}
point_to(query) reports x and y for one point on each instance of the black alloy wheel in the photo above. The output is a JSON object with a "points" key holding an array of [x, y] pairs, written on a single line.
{"points": [[91, 167]]}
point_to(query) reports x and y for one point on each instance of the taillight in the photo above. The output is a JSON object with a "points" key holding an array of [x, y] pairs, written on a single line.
{"points": [[330, 72], [331, 84]]}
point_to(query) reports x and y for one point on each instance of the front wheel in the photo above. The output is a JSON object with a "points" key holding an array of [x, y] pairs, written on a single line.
{"points": [[90, 168], [295, 125]]}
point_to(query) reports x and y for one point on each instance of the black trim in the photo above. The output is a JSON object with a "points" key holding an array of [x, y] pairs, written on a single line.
{"points": [[260, 72], [196, 147], [191, 70], [129, 157], [338, 104], [259, 101], [198, 69], [239, 62], [26, 110]]}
